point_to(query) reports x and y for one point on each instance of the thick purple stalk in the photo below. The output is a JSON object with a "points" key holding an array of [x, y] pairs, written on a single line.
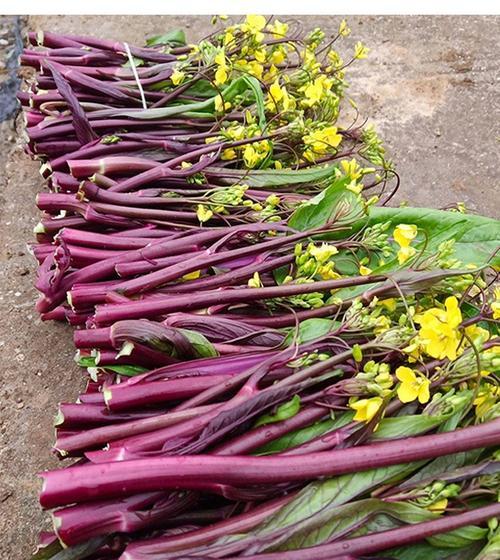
{"points": [[87, 416], [82, 522], [161, 248], [377, 542], [243, 522], [108, 480], [261, 264], [209, 258], [106, 314], [157, 392], [126, 270], [257, 437], [83, 168], [95, 437]]}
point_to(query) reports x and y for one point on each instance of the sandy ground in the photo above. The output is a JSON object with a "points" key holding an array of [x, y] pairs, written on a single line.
{"points": [[430, 85]]}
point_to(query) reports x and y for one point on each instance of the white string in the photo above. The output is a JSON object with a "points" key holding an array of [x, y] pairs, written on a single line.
{"points": [[136, 75]]}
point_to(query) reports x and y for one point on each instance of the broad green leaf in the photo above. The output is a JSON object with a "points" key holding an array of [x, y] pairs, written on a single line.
{"points": [[425, 551], [321, 496], [336, 205], [121, 369], [173, 38], [476, 237], [202, 88], [353, 519], [202, 347], [444, 464], [126, 370], [190, 109], [256, 89], [273, 177], [283, 412], [405, 426], [458, 538], [310, 329], [297, 437], [492, 549]]}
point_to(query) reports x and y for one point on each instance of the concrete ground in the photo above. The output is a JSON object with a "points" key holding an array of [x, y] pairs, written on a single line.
{"points": [[431, 86]]}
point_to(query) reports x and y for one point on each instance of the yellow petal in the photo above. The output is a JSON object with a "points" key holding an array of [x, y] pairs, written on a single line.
{"points": [[406, 374], [407, 392], [423, 391]]}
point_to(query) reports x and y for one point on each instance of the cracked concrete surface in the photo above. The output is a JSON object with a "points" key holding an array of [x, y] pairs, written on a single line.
{"points": [[430, 85]]}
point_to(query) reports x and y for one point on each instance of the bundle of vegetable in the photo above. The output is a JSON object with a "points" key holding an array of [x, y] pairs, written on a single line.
{"points": [[212, 229]]}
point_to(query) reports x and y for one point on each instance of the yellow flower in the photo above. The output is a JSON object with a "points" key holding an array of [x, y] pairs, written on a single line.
{"points": [[260, 55], [177, 77], [278, 55], [404, 234], [228, 154], [344, 31], [360, 51], [228, 38], [439, 506], [438, 330], [323, 252], [255, 281], [364, 270], [366, 408], [192, 275], [413, 385], [276, 91], [204, 214], [405, 253], [321, 141], [254, 25], [477, 334], [220, 76], [389, 303], [278, 29], [495, 306], [271, 74], [313, 91], [255, 22], [221, 105], [486, 399], [351, 168], [255, 153], [382, 324], [327, 273]]}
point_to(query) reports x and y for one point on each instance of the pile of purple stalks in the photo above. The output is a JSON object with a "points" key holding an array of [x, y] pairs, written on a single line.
{"points": [[279, 366]]}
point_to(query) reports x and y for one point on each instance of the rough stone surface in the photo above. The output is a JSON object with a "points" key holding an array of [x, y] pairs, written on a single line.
{"points": [[431, 87]]}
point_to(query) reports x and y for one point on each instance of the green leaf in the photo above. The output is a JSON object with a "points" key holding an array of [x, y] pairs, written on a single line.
{"points": [[283, 412], [476, 237], [353, 518], [444, 464], [256, 89], [310, 329], [336, 205], [202, 347], [405, 426], [190, 109], [464, 536], [173, 38], [297, 437], [425, 551], [273, 177], [126, 370], [492, 549], [323, 497]]}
